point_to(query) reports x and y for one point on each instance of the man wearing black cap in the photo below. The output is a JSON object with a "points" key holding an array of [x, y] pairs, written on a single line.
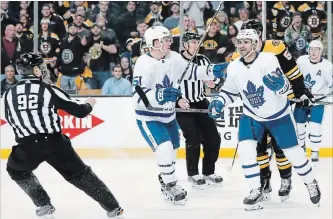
{"points": [[71, 61], [198, 128]]}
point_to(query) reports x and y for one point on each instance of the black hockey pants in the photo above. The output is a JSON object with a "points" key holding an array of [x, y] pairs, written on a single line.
{"points": [[56, 150], [199, 128]]}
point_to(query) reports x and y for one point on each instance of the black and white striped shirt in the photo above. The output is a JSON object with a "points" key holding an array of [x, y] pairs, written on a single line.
{"points": [[31, 108], [194, 91]]}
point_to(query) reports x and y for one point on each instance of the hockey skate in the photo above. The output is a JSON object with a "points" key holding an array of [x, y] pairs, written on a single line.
{"points": [[197, 181], [116, 212], [45, 211], [314, 192], [174, 193], [314, 156], [266, 189], [254, 201], [166, 194], [213, 180], [285, 189]]}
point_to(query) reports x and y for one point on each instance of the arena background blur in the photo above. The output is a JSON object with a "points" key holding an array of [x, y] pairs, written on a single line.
{"points": [[90, 48]]}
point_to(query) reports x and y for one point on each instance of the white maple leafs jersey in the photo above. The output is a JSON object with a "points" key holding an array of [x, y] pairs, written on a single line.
{"points": [[317, 76], [259, 102], [152, 74]]}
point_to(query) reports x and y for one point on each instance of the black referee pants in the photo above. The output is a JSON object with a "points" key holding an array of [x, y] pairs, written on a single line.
{"points": [[56, 150], [199, 128]]}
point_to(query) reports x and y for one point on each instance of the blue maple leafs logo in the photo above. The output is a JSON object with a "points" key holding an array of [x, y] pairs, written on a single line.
{"points": [[254, 95], [165, 83], [308, 82]]}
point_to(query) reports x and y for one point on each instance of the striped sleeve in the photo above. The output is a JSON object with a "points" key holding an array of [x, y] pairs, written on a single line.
{"points": [[63, 101]]}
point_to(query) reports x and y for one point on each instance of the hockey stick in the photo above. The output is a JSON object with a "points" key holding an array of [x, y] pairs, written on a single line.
{"points": [[229, 168], [145, 101], [327, 95], [199, 44], [318, 102]]}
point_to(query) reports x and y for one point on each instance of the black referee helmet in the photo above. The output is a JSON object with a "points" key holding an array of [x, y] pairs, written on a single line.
{"points": [[30, 64], [190, 36]]}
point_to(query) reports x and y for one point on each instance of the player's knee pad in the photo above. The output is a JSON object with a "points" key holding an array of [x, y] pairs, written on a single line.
{"points": [[247, 150], [19, 175], [166, 157], [315, 132]]}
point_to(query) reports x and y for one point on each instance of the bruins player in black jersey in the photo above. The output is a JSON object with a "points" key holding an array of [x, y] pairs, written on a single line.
{"points": [[291, 71]]}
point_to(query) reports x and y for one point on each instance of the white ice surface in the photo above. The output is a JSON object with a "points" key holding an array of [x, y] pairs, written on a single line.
{"points": [[135, 185]]}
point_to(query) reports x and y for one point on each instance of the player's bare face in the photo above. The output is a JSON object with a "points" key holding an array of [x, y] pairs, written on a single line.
{"points": [[244, 47], [166, 45], [314, 53], [192, 46]]}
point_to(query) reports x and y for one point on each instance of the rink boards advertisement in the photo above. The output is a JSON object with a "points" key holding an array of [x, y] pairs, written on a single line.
{"points": [[110, 131]]}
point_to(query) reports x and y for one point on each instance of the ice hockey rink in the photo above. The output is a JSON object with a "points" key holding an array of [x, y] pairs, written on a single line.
{"points": [[134, 183]]}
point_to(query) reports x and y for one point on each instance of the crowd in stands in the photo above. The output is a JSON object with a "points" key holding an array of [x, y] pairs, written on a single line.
{"points": [[94, 45]]}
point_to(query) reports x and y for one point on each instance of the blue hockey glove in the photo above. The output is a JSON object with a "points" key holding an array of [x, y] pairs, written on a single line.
{"points": [[276, 82], [216, 107], [164, 95], [219, 69]]}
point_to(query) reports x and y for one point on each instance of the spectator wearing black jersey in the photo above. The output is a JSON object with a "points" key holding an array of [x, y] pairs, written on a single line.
{"points": [[56, 23], [214, 45], [70, 60], [27, 42], [141, 27], [100, 52], [49, 47]]}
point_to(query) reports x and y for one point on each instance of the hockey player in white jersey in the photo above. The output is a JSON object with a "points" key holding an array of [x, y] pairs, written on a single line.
{"points": [[317, 73], [157, 73], [258, 78]]}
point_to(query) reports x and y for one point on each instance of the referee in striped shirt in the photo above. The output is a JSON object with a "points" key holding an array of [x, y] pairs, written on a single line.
{"points": [[198, 128], [31, 108]]}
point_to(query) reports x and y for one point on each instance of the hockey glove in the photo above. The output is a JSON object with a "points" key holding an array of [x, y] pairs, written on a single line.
{"points": [[276, 82], [216, 107], [168, 94], [307, 97], [218, 69]]}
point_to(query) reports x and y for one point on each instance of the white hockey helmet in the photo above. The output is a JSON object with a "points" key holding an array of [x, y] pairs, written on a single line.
{"points": [[155, 33], [249, 34], [316, 44]]}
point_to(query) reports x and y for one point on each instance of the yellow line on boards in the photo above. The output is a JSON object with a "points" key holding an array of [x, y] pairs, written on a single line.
{"points": [[106, 153]]}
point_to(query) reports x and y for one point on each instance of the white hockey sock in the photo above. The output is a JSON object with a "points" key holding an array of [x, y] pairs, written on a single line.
{"points": [[301, 133], [315, 136], [165, 155], [301, 164], [248, 157]]}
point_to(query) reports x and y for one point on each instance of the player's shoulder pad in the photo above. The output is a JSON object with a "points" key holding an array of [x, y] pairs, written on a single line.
{"points": [[274, 46], [303, 7], [234, 56]]}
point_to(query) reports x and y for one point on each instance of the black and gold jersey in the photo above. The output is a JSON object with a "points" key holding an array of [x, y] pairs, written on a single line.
{"points": [[281, 18], [314, 15], [287, 63]]}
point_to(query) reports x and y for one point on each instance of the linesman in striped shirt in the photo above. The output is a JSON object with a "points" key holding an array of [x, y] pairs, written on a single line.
{"points": [[198, 128], [31, 108]]}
